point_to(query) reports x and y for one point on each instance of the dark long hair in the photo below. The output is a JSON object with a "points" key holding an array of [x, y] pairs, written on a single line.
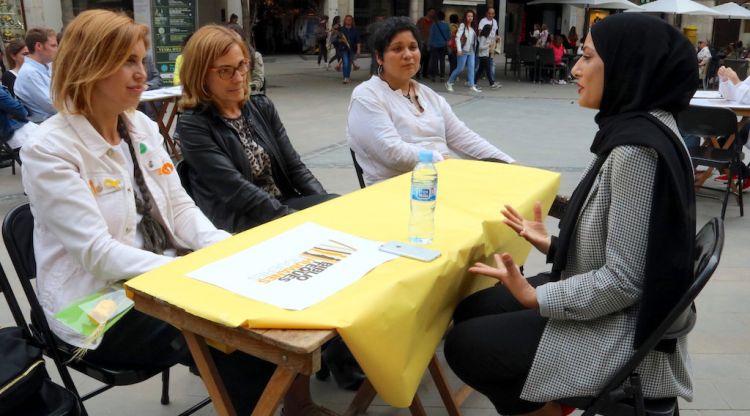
{"points": [[473, 23]]}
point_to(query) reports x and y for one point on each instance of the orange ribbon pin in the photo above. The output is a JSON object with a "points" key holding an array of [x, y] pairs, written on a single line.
{"points": [[166, 169]]}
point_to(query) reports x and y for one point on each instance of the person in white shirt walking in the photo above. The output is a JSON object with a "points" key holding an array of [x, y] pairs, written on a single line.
{"points": [[494, 37], [704, 58]]}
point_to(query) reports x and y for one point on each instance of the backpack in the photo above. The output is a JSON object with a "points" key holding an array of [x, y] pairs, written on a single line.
{"points": [[22, 370]]}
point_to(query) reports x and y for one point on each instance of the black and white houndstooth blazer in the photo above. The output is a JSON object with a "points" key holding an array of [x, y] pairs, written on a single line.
{"points": [[592, 310]]}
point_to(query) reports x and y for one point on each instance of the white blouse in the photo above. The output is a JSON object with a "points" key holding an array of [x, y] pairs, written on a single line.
{"points": [[739, 93], [81, 194], [386, 131]]}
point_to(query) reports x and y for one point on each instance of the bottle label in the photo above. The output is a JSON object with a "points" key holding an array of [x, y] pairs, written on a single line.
{"points": [[425, 194]]}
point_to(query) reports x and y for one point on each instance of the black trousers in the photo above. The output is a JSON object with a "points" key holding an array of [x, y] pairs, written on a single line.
{"points": [[307, 201], [492, 345], [322, 50], [437, 60], [141, 340]]}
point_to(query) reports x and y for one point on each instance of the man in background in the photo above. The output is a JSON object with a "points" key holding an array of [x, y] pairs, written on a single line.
{"points": [[32, 85]]}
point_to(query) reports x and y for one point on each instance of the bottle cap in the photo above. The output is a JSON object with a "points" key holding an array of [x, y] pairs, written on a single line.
{"points": [[425, 156]]}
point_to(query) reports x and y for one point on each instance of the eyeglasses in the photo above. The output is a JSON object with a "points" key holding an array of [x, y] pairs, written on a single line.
{"points": [[227, 72]]}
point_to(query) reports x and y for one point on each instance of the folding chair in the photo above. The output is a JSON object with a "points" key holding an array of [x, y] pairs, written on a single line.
{"points": [[619, 399], [183, 172], [739, 66], [712, 123], [52, 399], [547, 62], [17, 233], [527, 58], [511, 58], [8, 154], [358, 170]]}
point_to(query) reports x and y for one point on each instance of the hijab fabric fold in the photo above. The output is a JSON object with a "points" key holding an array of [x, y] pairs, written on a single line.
{"points": [[648, 65]]}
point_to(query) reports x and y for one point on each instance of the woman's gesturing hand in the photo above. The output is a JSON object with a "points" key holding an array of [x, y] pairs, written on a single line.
{"points": [[507, 273], [533, 231]]}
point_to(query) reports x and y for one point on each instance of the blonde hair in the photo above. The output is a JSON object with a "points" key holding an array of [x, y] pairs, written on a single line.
{"points": [[206, 45], [95, 45]]}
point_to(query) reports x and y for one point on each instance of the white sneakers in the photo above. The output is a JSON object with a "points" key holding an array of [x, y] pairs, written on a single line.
{"points": [[449, 87], [495, 86]]}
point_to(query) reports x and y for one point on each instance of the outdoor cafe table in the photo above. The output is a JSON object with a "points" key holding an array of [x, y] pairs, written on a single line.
{"points": [[166, 113], [392, 319]]}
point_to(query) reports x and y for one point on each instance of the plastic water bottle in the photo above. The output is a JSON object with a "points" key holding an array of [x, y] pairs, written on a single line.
{"points": [[423, 199]]}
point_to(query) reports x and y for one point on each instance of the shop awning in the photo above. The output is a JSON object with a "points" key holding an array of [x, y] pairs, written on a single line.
{"points": [[463, 2]]}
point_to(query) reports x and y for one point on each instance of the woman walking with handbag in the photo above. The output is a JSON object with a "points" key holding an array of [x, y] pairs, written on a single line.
{"points": [[465, 49]]}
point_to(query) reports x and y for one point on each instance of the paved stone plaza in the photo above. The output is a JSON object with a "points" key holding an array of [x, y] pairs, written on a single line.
{"points": [[539, 125]]}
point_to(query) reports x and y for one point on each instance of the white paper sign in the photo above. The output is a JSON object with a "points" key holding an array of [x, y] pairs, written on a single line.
{"points": [[297, 268]]}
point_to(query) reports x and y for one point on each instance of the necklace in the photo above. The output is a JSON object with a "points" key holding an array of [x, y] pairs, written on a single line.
{"points": [[408, 94]]}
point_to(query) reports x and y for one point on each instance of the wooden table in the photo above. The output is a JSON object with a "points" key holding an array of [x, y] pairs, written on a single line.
{"points": [[166, 113], [293, 351], [392, 319]]}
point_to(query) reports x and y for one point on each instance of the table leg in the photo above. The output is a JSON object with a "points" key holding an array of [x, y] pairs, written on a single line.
{"points": [[365, 395], [438, 377], [275, 391], [209, 374], [416, 407]]}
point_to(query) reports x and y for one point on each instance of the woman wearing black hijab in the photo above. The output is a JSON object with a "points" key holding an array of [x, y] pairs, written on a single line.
{"points": [[625, 248]]}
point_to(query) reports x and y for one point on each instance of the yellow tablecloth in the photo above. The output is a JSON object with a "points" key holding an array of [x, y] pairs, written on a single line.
{"points": [[394, 317]]}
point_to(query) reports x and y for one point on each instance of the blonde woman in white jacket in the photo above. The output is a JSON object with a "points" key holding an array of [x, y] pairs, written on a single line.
{"points": [[465, 40]]}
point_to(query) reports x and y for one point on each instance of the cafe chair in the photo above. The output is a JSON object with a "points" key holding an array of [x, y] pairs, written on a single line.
{"points": [[712, 123], [710, 80], [527, 59], [619, 398], [183, 172], [511, 58], [358, 170], [547, 64], [51, 399], [739, 66], [9, 156], [17, 231]]}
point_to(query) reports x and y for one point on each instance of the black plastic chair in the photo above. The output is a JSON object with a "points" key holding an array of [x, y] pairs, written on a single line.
{"points": [[528, 60], [17, 233], [711, 122], [617, 399], [710, 80], [739, 66], [183, 172], [9, 155], [511, 58], [52, 399], [547, 63], [358, 170]]}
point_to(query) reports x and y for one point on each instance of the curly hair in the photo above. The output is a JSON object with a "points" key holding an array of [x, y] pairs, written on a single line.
{"points": [[388, 29]]}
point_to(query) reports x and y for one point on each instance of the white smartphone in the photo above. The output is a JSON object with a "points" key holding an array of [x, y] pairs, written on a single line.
{"points": [[410, 251]]}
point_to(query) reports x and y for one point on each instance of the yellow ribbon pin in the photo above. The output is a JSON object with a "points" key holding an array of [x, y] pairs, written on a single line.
{"points": [[112, 183]]}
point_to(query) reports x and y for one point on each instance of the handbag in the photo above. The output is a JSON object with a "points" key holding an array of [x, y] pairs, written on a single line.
{"points": [[498, 50], [21, 369]]}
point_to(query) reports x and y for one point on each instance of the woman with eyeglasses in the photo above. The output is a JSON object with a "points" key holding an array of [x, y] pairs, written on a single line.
{"points": [[243, 170]]}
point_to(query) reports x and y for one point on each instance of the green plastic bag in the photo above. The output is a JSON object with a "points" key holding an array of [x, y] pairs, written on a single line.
{"points": [[76, 315]]}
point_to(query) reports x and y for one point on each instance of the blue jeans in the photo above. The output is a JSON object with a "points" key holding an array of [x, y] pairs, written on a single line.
{"points": [[463, 59], [347, 64]]}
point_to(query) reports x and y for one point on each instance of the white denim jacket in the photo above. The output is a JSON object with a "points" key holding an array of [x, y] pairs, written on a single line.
{"points": [[81, 195]]}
